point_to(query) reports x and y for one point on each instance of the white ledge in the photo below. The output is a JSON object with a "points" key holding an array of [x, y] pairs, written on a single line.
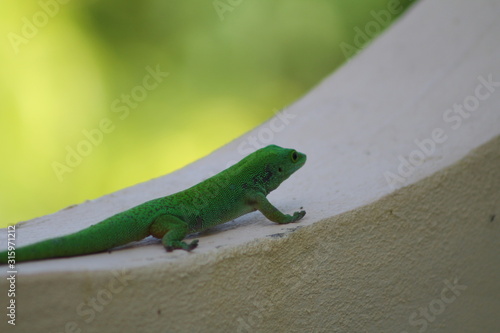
{"points": [[368, 255]]}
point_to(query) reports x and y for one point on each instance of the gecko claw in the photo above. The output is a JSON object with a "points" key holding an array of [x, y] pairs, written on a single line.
{"points": [[182, 246], [192, 245], [298, 215]]}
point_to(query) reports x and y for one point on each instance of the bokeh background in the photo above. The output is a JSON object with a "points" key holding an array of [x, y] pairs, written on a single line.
{"points": [[67, 67]]}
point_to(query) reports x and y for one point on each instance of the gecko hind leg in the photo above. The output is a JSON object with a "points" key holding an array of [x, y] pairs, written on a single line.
{"points": [[172, 231]]}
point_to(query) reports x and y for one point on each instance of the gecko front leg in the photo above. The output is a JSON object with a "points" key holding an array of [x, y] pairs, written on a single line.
{"points": [[260, 202]]}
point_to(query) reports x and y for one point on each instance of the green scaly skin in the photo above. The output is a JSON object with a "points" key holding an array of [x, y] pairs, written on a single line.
{"points": [[236, 191]]}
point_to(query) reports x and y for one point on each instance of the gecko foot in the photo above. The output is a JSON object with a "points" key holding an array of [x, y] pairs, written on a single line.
{"points": [[298, 215], [182, 246]]}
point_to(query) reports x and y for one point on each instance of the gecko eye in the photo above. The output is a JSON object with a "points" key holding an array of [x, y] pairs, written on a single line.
{"points": [[294, 156]]}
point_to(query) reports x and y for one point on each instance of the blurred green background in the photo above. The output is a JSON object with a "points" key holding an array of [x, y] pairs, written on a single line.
{"points": [[68, 130]]}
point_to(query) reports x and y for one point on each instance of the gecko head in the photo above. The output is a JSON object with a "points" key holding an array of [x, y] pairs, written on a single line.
{"points": [[276, 165]]}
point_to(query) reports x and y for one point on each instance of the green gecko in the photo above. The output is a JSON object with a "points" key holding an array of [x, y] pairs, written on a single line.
{"points": [[238, 190]]}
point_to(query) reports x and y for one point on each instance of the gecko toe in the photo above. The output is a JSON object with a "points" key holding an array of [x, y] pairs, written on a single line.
{"points": [[193, 245]]}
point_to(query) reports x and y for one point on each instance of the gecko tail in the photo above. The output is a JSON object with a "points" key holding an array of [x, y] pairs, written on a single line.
{"points": [[117, 230]]}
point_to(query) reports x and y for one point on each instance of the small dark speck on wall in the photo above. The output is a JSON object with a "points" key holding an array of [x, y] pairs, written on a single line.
{"points": [[492, 217]]}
